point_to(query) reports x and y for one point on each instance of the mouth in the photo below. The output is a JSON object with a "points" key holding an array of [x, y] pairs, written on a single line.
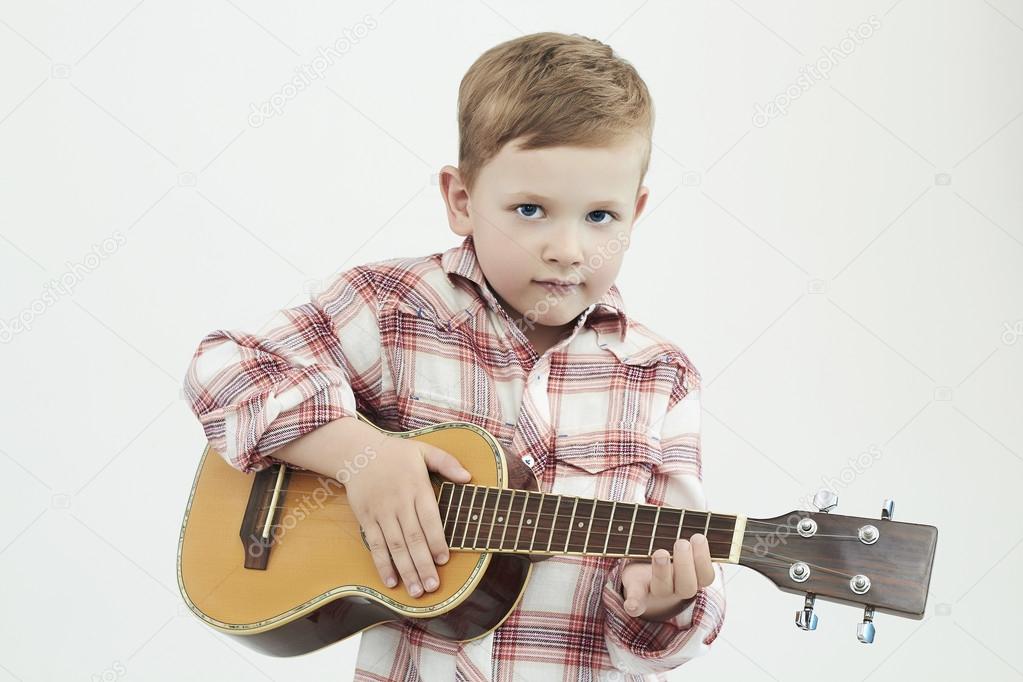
{"points": [[559, 285]]}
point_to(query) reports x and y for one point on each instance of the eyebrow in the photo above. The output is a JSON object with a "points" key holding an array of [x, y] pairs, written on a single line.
{"points": [[532, 196]]}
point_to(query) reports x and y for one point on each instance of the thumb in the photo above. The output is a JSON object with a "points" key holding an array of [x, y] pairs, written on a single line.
{"points": [[444, 463], [636, 590]]}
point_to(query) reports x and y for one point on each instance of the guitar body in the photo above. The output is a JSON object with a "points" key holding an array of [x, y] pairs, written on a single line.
{"points": [[314, 582]]}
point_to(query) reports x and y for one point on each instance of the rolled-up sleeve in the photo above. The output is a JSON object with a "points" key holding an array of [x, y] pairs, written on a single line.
{"points": [[256, 391], [634, 644]]}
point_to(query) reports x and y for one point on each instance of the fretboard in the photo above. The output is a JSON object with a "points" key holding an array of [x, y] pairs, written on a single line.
{"points": [[518, 521]]}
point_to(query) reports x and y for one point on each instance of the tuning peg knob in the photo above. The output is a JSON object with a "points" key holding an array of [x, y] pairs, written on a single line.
{"points": [[806, 619], [865, 630], [825, 500], [888, 509]]}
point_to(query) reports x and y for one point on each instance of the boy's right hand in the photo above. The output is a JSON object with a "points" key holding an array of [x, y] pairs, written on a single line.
{"points": [[393, 499]]}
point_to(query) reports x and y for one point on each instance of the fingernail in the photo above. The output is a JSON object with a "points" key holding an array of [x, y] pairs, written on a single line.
{"points": [[442, 558], [390, 582], [415, 590], [431, 584], [661, 558]]}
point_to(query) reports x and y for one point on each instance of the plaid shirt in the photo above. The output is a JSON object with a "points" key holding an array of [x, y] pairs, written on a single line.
{"points": [[611, 412]]}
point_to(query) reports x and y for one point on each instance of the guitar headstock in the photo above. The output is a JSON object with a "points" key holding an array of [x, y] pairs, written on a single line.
{"points": [[880, 564]]}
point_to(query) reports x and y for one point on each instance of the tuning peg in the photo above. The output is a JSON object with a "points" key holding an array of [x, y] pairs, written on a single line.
{"points": [[825, 500], [806, 619], [865, 630], [887, 509]]}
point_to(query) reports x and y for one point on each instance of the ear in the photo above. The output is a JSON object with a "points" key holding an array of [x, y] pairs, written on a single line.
{"points": [[641, 197], [456, 199]]}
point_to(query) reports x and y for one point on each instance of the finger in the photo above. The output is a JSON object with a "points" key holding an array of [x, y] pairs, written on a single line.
{"points": [[685, 574], [419, 550], [378, 549], [395, 539], [662, 578], [636, 589], [444, 463], [701, 560], [429, 518]]}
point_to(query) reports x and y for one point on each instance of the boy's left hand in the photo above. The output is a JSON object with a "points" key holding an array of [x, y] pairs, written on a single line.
{"points": [[658, 591]]}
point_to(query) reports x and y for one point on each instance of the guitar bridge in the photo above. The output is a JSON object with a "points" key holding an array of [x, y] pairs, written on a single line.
{"points": [[257, 530]]}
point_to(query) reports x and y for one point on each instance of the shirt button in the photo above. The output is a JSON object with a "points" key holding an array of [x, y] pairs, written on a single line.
{"points": [[528, 460]]}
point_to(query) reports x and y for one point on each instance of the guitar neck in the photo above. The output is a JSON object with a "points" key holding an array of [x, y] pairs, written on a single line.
{"points": [[482, 518]]}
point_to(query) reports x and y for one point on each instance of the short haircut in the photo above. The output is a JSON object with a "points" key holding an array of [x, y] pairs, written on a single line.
{"points": [[552, 90]]}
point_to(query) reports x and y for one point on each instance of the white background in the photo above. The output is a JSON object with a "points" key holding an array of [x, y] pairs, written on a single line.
{"points": [[848, 276]]}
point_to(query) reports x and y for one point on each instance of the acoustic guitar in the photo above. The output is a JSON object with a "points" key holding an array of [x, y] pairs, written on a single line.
{"points": [[277, 558]]}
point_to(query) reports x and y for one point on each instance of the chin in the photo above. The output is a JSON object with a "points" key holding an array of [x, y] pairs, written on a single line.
{"points": [[559, 318]]}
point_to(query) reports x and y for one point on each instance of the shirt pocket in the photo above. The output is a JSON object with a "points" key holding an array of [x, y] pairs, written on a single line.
{"points": [[439, 379], [605, 463]]}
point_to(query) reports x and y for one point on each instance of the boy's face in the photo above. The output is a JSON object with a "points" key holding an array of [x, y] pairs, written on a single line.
{"points": [[561, 213]]}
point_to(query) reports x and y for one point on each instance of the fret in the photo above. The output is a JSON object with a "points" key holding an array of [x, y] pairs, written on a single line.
{"points": [[516, 513], [650, 551], [631, 525], [522, 516], [667, 542], [476, 539], [696, 521], [550, 510], [536, 522], [450, 488], [583, 514], [706, 525], [571, 522], [618, 531], [458, 511], [507, 516], [469, 514], [554, 524], [493, 517], [600, 523], [681, 519], [610, 521], [642, 532], [589, 527], [720, 536]]}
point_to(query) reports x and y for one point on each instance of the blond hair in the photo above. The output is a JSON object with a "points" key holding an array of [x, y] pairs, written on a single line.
{"points": [[551, 89]]}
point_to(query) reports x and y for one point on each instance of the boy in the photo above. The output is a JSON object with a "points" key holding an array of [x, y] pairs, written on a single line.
{"points": [[521, 331]]}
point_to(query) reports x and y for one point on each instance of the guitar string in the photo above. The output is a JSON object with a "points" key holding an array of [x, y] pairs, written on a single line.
{"points": [[776, 527], [638, 522], [749, 521], [781, 561], [615, 535], [773, 559], [466, 521]]}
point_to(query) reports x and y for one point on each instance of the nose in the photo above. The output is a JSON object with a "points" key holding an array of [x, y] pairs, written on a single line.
{"points": [[564, 246]]}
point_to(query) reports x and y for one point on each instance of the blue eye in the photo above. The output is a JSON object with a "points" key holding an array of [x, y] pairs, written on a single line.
{"points": [[607, 213], [531, 211], [528, 206]]}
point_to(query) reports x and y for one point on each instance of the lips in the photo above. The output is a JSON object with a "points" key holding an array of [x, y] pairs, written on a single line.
{"points": [[559, 285]]}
